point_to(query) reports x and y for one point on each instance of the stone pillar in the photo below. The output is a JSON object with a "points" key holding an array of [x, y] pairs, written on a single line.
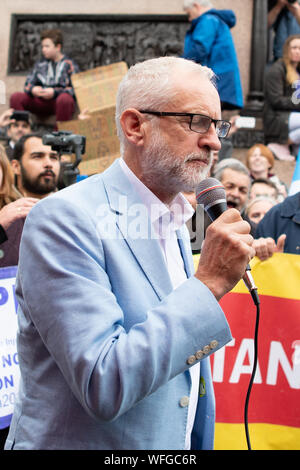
{"points": [[259, 49]]}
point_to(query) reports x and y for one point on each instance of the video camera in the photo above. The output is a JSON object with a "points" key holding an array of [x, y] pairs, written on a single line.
{"points": [[64, 142]]}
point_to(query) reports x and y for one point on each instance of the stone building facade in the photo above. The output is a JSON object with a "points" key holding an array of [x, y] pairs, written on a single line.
{"points": [[145, 28]]}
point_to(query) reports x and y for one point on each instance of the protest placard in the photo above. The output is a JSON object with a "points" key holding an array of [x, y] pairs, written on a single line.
{"points": [[96, 89], [102, 143], [9, 364], [96, 92]]}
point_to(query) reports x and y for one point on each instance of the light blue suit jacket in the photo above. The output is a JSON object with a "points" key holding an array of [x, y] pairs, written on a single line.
{"points": [[103, 339]]}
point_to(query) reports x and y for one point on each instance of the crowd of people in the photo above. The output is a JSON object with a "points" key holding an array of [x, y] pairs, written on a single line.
{"points": [[30, 172]]}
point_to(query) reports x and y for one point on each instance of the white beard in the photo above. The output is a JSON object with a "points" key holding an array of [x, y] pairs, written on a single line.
{"points": [[164, 169]]}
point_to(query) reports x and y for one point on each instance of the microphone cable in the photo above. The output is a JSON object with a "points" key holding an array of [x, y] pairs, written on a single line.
{"points": [[257, 303]]}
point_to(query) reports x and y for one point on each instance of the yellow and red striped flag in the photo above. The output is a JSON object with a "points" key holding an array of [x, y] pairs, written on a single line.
{"points": [[274, 407]]}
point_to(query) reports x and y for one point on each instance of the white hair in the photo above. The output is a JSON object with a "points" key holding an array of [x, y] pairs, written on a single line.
{"points": [[251, 203], [203, 3], [150, 85]]}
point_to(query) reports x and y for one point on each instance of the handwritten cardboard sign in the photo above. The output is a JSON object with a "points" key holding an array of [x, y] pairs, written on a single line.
{"points": [[96, 91]]}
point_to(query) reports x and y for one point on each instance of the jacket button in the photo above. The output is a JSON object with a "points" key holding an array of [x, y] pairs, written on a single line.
{"points": [[213, 344], [206, 349], [184, 401], [191, 360], [199, 354]]}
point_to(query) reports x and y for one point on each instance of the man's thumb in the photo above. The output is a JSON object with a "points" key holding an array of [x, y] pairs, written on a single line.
{"points": [[280, 243]]}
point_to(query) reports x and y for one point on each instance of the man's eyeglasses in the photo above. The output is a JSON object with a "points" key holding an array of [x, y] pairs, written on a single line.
{"points": [[198, 122]]}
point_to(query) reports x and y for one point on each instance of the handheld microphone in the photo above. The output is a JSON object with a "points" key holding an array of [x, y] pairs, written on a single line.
{"points": [[211, 194]]}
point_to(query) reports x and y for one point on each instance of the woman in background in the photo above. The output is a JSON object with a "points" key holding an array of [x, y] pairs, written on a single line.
{"points": [[282, 101], [260, 162], [12, 205], [13, 210]]}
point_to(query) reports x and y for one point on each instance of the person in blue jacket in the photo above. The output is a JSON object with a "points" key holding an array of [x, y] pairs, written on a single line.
{"points": [[209, 42]]}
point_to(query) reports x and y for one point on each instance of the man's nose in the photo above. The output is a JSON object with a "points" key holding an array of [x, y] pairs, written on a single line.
{"points": [[210, 139], [48, 163], [235, 192]]}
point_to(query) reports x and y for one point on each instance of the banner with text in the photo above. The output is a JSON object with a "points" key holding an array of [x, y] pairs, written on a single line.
{"points": [[274, 406], [9, 365]]}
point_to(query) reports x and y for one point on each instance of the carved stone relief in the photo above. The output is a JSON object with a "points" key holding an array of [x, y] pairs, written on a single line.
{"points": [[94, 41], [246, 138]]}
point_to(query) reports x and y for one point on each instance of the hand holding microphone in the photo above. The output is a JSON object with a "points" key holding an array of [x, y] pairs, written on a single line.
{"points": [[227, 249], [225, 255]]}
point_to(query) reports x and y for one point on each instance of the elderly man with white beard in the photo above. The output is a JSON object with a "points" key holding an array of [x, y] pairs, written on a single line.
{"points": [[114, 349]]}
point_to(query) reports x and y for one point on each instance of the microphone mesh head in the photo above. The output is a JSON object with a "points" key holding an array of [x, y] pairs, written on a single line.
{"points": [[209, 191]]}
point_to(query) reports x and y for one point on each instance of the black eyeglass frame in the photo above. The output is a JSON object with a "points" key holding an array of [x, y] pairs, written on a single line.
{"points": [[190, 115]]}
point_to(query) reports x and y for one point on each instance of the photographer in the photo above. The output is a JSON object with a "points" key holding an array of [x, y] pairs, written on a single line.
{"points": [[284, 18], [17, 124]]}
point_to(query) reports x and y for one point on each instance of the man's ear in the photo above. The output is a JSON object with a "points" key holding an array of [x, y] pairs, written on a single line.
{"points": [[15, 164], [133, 125]]}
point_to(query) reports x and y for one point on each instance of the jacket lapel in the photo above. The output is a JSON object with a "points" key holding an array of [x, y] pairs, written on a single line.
{"points": [[134, 223]]}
